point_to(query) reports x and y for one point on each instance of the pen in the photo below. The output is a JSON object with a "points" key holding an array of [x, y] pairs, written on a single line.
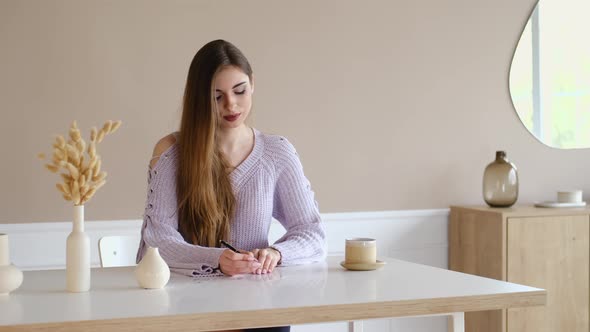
{"points": [[232, 248], [229, 246]]}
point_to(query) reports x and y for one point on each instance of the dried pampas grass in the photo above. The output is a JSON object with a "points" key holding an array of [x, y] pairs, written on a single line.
{"points": [[81, 176]]}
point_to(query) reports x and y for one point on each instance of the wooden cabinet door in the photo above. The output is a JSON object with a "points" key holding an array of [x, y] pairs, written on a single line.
{"points": [[550, 253]]}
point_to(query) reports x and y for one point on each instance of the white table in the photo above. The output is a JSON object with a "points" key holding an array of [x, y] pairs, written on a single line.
{"points": [[320, 292]]}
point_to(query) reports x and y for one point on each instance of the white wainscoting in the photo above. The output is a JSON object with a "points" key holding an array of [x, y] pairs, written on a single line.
{"points": [[419, 236]]}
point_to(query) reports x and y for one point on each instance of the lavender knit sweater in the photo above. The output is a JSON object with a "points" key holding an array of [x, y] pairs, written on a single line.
{"points": [[268, 183]]}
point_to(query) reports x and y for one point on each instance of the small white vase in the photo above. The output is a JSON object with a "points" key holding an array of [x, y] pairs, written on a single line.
{"points": [[10, 277], [78, 255], [152, 271]]}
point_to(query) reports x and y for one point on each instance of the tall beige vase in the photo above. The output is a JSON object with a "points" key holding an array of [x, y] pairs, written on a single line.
{"points": [[10, 277], [78, 255]]}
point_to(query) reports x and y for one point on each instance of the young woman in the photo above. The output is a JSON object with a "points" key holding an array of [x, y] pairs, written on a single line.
{"points": [[218, 179]]}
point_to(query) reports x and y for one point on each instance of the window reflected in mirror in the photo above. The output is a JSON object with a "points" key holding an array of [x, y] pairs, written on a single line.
{"points": [[550, 74]]}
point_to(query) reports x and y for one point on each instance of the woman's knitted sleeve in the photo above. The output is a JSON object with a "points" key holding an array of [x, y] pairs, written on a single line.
{"points": [[296, 209], [160, 224]]}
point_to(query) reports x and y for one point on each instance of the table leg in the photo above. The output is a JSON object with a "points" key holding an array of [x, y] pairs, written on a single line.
{"points": [[355, 326], [457, 322]]}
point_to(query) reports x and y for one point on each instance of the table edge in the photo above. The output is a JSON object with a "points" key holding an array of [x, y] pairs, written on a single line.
{"points": [[297, 315]]}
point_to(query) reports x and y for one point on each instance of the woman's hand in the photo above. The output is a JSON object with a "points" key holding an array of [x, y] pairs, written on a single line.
{"points": [[232, 263], [268, 259]]}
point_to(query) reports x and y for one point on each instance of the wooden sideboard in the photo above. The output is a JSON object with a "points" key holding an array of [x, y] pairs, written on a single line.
{"points": [[540, 247]]}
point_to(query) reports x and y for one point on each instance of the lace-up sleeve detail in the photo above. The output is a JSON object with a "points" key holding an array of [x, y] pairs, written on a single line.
{"points": [[160, 224]]}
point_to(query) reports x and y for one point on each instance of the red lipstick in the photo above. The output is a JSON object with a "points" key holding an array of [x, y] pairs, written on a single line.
{"points": [[232, 118]]}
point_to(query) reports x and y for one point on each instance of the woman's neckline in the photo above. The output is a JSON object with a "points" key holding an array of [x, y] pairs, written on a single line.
{"points": [[238, 173], [246, 165], [231, 168]]}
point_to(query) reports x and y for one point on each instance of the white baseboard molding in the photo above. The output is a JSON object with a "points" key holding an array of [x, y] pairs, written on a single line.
{"points": [[417, 235], [42, 246]]}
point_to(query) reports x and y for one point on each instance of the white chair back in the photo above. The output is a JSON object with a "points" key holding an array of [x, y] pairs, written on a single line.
{"points": [[118, 250]]}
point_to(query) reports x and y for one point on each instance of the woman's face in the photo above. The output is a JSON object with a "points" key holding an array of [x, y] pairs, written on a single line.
{"points": [[233, 95]]}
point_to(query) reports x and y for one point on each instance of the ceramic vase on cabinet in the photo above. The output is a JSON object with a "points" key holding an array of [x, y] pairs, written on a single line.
{"points": [[152, 271], [78, 255], [500, 182], [10, 277]]}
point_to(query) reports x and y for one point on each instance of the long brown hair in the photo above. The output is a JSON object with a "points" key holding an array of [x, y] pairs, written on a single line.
{"points": [[206, 201]]}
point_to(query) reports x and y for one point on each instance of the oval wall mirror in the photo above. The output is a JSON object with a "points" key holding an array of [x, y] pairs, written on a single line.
{"points": [[550, 74]]}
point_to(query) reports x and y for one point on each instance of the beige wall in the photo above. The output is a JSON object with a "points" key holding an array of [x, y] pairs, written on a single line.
{"points": [[391, 104]]}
